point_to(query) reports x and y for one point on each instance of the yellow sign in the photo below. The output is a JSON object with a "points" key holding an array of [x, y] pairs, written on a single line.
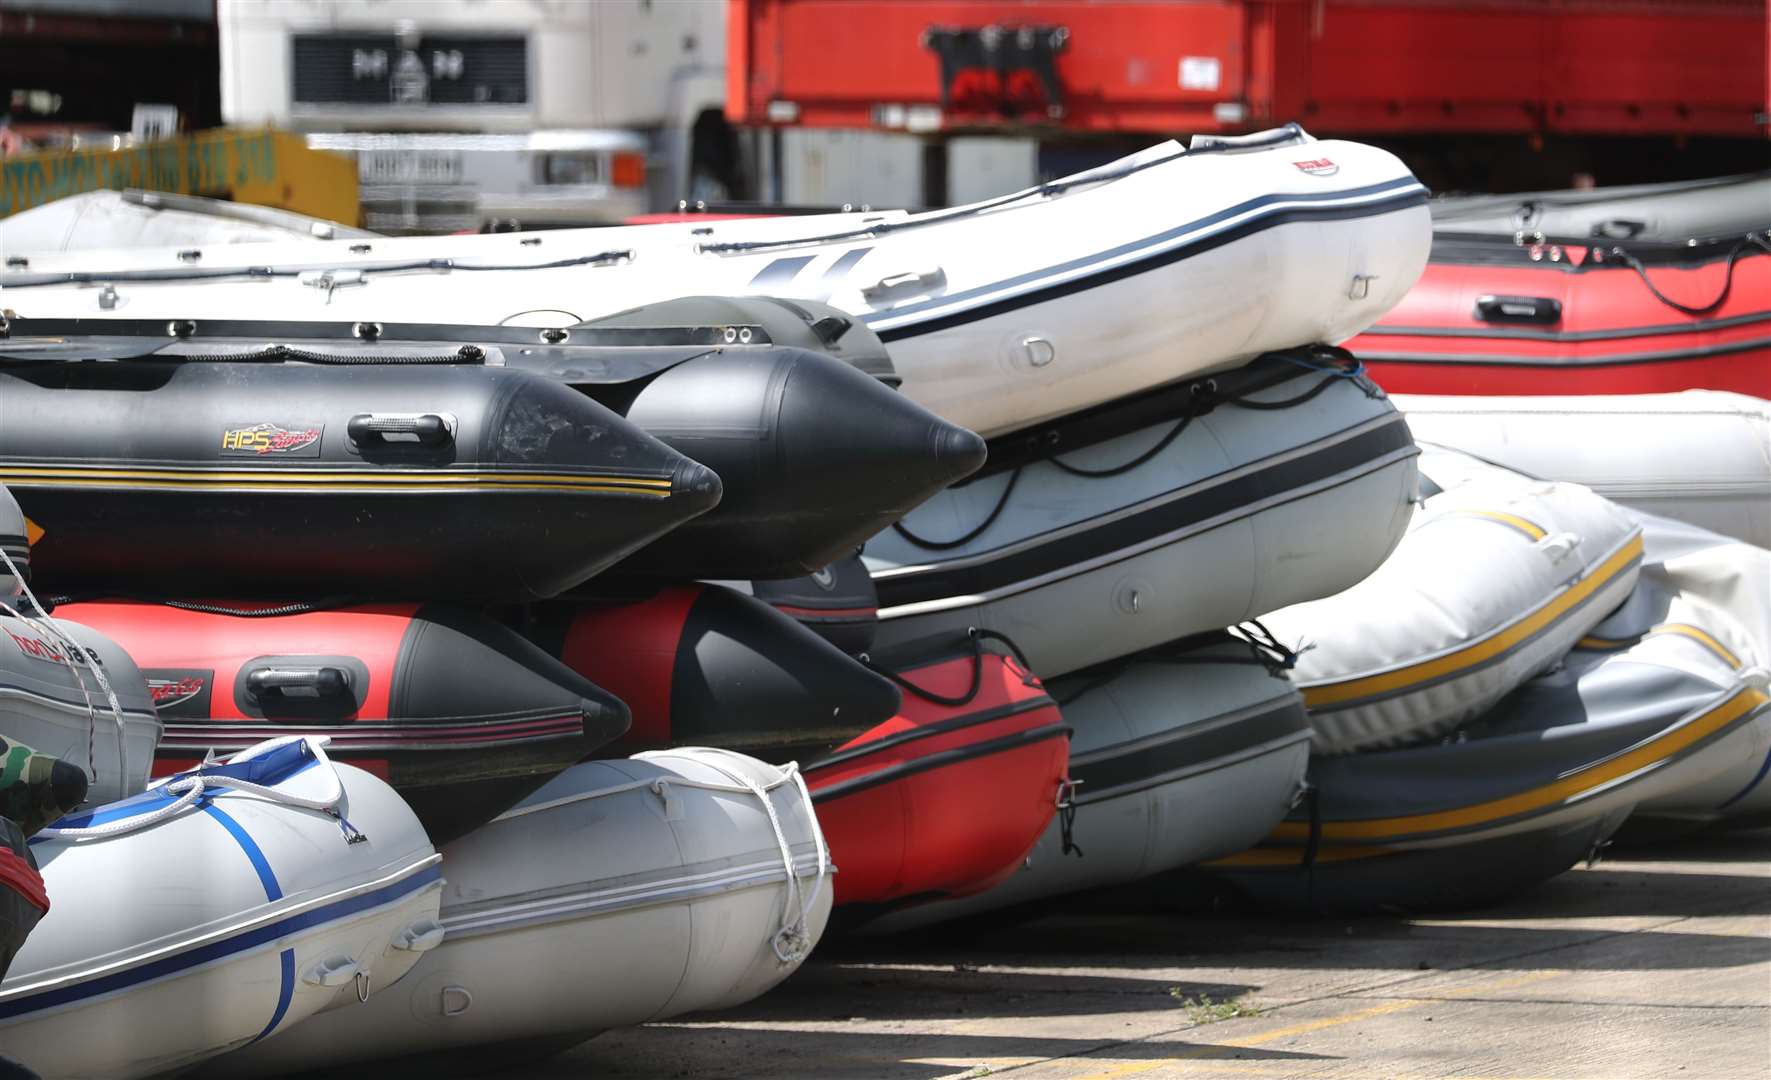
{"points": [[265, 168]]}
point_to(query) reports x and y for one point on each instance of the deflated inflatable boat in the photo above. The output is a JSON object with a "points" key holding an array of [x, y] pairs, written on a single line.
{"points": [[1515, 797], [1700, 457], [1085, 539], [303, 884], [621, 892], [1276, 239], [1497, 578]]}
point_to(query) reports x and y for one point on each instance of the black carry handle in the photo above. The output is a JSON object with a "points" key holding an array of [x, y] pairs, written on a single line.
{"points": [[1533, 310], [318, 682], [427, 429]]}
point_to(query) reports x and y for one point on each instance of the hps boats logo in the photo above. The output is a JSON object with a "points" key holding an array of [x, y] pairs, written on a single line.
{"points": [[257, 440], [1318, 167]]}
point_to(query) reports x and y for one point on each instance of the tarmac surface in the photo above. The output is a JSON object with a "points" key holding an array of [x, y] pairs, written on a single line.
{"points": [[1654, 963]]}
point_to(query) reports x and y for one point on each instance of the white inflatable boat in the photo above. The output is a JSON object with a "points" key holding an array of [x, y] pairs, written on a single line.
{"points": [[1715, 594], [1699, 456], [100, 222], [218, 908], [621, 892], [1000, 314], [1155, 739], [65, 689], [1179, 512], [1498, 577]]}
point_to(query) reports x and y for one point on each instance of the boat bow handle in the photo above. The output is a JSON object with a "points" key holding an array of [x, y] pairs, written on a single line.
{"points": [[332, 971], [425, 429], [420, 937], [319, 682], [1527, 310]]}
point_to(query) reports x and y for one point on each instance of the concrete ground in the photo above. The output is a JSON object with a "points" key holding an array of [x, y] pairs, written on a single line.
{"points": [[1655, 963]]}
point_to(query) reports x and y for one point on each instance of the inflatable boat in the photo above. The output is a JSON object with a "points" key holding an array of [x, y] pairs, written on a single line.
{"points": [[1155, 738], [838, 602], [1275, 239], [95, 222], [1493, 317], [704, 665], [622, 892], [1717, 593], [946, 798], [1524, 793], [70, 692], [1084, 540], [1498, 577], [812, 456], [282, 885], [462, 716], [1652, 213], [1697, 456], [23, 899], [385, 480]]}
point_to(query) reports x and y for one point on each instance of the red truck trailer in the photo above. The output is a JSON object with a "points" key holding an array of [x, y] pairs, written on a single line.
{"points": [[1369, 67]]}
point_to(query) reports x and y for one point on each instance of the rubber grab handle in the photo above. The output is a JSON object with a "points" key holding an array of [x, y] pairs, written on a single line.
{"points": [[427, 429], [324, 682], [1530, 310]]}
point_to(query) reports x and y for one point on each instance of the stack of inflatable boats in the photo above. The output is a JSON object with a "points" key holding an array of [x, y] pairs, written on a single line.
{"points": [[327, 534], [389, 541]]}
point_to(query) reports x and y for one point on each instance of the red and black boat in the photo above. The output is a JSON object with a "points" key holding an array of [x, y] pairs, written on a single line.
{"points": [[705, 665], [460, 714], [1499, 315], [948, 797]]}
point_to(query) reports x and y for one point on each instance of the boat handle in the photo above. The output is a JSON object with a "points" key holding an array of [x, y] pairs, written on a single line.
{"points": [[425, 429], [1531, 310], [920, 280], [420, 936], [323, 682], [332, 971]]}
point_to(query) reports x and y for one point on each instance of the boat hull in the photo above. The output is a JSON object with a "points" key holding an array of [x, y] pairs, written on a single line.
{"points": [[1283, 504], [615, 866], [273, 930]]}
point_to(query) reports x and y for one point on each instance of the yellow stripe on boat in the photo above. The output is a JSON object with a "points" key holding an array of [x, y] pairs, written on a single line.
{"points": [[1741, 703], [1524, 525], [1695, 633], [1323, 695], [356, 480]]}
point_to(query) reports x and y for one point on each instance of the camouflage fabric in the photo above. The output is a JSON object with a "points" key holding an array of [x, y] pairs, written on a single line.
{"points": [[35, 788], [19, 910]]}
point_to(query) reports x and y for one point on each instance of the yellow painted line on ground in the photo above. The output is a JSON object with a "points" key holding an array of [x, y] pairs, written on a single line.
{"points": [[1197, 1053], [1472, 656]]}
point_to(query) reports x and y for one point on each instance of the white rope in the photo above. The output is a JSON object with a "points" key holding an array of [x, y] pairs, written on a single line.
{"points": [[52, 628], [191, 787], [792, 942]]}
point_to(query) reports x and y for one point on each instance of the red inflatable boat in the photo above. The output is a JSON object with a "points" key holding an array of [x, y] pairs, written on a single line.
{"points": [[461, 715], [706, 665], [948, 797], [1491, 316]]}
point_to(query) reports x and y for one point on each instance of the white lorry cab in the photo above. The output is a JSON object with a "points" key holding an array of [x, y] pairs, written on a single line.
{"points": [[472, 114]]}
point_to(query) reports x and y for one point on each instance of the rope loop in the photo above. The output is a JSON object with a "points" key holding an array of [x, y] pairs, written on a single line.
{"points": [[1741, 246]]}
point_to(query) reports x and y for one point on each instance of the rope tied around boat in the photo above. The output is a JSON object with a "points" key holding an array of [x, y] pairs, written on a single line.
{"points": [[190, 788], [1741, 246], [977, 637], [792, 942], [45, 624], [1335, 363]]}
